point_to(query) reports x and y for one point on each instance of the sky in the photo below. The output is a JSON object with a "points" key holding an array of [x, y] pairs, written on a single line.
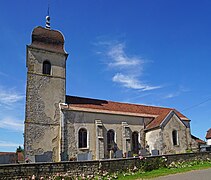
{"points": [[152, 52]]}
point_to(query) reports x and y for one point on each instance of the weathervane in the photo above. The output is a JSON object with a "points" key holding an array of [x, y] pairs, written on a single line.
{"points": [[47, 24]]}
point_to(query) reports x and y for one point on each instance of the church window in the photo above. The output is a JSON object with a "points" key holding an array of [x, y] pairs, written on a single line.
{"points": [[110, 139], [127, 132], [135, 143], [175, 137], [82, 138], [46, 67]]}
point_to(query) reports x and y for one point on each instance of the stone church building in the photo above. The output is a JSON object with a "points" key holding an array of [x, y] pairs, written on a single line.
{"points": [[59, 127]]}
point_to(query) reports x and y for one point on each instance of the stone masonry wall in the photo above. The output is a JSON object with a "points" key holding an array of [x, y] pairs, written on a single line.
{"points": [[74, 120], [16, 171], [43, 95], [183, 137]]}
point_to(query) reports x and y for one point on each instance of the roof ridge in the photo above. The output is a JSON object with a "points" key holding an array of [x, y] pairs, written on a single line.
{"points": [[160, 107]]}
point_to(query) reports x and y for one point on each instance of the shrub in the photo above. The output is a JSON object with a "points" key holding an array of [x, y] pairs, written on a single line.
{"points": [[151, 164]]}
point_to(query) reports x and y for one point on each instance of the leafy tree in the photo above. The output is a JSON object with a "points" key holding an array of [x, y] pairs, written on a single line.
{"points": [[19, 149]]}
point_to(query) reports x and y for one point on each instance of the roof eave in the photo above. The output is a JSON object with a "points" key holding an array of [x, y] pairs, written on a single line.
{"points": [[93, 110], [151, 129]]}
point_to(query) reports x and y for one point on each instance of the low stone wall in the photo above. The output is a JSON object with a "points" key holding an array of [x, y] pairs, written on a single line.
{"points": [[17, 171], [188, 156]]}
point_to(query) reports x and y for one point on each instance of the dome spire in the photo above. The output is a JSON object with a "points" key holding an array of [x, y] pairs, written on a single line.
{"points": [[47, 24]]}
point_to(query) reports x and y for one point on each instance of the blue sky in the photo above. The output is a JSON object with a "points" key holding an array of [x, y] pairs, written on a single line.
{"points": [[154, 52]]}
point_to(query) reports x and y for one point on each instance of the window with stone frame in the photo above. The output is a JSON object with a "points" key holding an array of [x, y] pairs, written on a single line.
{"points": [[175, 137], [127, 132], [46, 68], [135, 143], [100, 131], [110, 139], [82, 138]]}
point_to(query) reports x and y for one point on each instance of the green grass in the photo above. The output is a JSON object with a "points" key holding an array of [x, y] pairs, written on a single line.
{"points": [[163, 172]]}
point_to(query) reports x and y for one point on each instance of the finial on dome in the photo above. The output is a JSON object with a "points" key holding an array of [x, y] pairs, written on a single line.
{"points": [[47, 24]]}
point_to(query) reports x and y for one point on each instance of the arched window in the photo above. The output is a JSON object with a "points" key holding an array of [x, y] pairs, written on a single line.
{"points": [[175, 137], [46, 67], [82, 138], [135, 144], [110, 140]]}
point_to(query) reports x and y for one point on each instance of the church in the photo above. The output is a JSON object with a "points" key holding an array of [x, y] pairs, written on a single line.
{"points": [[59, 127]]}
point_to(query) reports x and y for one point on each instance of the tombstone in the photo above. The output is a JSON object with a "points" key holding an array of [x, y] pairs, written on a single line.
{"points": [[30, 159], [208, 148], [130, 154], [205, 148], [8, 158], [143, 152], [45, 157], [84, 156], [155, 152], [118, 154]]}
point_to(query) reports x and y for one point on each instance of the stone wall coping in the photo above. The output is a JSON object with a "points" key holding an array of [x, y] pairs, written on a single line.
{"points": [[45, 169], [103, 160]]}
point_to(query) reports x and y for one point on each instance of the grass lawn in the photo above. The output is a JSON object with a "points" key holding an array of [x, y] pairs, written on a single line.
{"points": [[163, 172]]}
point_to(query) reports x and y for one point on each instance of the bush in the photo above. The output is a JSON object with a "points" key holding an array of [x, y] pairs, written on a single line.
{"points": [[151, 164]]}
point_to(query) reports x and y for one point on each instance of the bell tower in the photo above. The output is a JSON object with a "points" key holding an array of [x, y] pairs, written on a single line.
{"points": [[46, 84]]}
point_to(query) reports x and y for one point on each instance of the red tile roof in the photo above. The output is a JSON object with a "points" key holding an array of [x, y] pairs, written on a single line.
{"points": [[7, 153], [208, 135], [199, 141], [158, 113], [158, 120]]}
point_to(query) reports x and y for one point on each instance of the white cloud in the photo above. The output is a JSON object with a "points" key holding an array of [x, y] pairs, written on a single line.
{"points": [[180, 90], [8, 144], [119, 58], [128, 69], [11, 124], [171, 95], [132, 82], [9, 96]]}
